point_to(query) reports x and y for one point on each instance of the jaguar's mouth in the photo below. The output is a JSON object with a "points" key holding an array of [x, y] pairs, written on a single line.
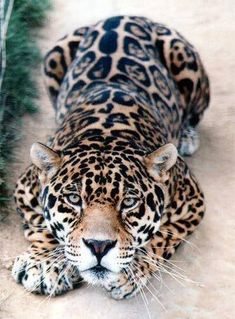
{"points": [[99, 271]]}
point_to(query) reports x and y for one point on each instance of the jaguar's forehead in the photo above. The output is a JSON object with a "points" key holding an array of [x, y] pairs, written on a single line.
{"points": [[101, 173], [107, 159]]}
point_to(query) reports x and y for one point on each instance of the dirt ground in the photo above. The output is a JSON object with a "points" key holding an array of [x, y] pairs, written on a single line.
{"points": [[209, 261]]}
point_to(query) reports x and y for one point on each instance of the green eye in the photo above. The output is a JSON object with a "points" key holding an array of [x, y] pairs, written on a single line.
{"points": [[73, 199], [129, 202]]}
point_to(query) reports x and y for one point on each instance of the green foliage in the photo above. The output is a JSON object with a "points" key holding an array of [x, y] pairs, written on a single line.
{"points": [[19, 88]]}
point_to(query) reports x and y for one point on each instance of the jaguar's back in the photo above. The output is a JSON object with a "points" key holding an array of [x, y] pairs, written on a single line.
{"points": [[121, 62]]}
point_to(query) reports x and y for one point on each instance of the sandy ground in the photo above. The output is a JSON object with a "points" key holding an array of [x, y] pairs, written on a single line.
{"points": [[209, 260]]}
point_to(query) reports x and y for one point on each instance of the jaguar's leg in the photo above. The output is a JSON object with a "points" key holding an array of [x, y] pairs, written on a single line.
{"points": [[180, 219], [189, 140], [58, 59], [43, 267], [185, 66]]}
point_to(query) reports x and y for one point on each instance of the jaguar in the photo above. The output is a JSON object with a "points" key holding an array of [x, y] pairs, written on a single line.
{"points": [[109, 198]]}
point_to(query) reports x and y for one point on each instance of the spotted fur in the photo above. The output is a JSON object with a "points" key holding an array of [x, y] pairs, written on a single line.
{"points": [[110, 190]]}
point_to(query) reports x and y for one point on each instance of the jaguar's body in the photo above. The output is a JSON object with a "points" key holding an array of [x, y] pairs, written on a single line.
{"points": [[111, 199]]}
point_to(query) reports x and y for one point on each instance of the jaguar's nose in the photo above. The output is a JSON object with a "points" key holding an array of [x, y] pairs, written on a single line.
{"points": [[99, 247]]}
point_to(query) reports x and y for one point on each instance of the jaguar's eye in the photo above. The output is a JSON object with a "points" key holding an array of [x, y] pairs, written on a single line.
{"points": [[73, 199], [129, 202]]}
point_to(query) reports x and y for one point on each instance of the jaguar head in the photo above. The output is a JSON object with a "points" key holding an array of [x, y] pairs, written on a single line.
{"points": [[102, 204]]}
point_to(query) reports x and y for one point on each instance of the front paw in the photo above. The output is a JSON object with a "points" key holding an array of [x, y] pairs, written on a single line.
{"points": [[124, 286], [45, 271]]}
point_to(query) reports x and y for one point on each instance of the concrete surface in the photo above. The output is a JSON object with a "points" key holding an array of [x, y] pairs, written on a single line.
{"points": [[210, 258]]}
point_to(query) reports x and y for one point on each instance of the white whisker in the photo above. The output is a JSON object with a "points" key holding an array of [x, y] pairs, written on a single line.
{"points": [[146, 286], [141, 293]]}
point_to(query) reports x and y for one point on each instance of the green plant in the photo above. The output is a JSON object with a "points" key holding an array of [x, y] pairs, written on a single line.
{"points": [[18, 91]]}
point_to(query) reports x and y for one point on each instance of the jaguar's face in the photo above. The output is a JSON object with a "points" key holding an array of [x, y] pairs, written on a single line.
{"points": [[102, 206]]}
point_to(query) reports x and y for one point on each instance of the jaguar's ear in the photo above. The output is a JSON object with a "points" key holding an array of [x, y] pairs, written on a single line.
{"points": [[45, 159], [161, 160]]}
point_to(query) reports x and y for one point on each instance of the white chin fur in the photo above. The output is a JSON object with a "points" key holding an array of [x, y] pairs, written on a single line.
{"points": [[98, 280]]}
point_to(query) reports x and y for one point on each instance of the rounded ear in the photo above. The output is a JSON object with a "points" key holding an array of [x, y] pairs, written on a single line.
{"points": [[161, 160], [45, 159]]}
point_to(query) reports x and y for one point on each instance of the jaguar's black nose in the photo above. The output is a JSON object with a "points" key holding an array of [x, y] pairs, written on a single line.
{"points": [[99, 247]]}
